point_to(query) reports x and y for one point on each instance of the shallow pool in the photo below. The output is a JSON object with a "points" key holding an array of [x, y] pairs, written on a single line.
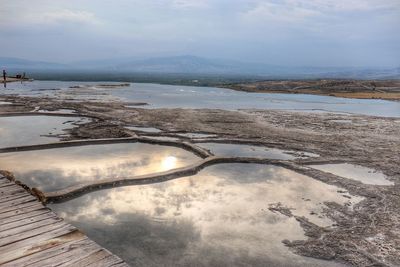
{"points": [[356, 172], [32, 130], [55, 169], [143, 129], [219, 217], [239, 150]]}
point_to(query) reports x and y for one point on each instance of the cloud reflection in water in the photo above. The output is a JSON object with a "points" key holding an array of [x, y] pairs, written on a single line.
{"points": [[31, 130], [54, 169], [219, 217]]}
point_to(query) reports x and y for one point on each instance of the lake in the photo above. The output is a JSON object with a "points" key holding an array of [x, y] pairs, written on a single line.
{"points": [[177, 96]]}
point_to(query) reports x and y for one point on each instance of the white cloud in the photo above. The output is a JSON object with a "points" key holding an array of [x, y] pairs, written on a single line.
{"points": [[270, 11], [311, 13], [190, 3], [346, 5], [13, 16], [329, 5], [69, 16]]}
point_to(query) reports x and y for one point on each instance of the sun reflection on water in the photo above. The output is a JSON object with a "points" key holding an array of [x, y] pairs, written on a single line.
{"points": [[169, 163], [223, 209], [54, 169]]}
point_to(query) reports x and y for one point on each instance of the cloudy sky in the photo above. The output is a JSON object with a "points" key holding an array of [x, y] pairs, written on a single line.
{"points": [[283, 32]]}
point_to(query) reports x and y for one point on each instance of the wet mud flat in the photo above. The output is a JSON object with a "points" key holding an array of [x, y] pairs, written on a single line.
{"points": [[364, 234]]}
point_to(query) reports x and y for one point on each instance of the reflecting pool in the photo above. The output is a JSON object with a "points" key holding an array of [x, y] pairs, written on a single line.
{"points": [[219, 217], [143, 129], [356, 172], [237, 150], [32, 130], [62, 110], [54, 169], [197, 135]]}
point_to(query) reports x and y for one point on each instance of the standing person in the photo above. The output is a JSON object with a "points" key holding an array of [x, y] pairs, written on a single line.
{"points": [[23, 77], [5, 78]]}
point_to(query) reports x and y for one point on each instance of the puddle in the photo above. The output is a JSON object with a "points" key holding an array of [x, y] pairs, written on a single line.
{"points": [[104, 86], [54, 169], [66, 111], [143, 129], [31, 130], [317, 111], [163, 138], [236, 150], [355, 172], [342, 121], [302, 154], [136, 105], [219, 217], [197, 135], [5, 103]]}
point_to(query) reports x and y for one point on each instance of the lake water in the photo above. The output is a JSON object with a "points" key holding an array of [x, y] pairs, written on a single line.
{"points": [[356, 172], [32, 130], [55, 169], [173, 96], [219, 217]]}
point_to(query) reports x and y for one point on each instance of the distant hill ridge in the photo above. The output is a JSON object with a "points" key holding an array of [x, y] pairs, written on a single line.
{"points": [[189, 64]]}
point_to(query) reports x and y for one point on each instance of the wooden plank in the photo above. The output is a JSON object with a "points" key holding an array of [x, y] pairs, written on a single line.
{"points": [[11, 186], [38, 259], [106, 262], [30, 220], [2, 185], [17, 203], [24, 216], [9, 190], [28, 227], [34, 245], [22, 210], [33, 240], [122, 264], [11, 197], [74, 254], [34, 232], [99, 255], [14, 194], [32, 235], [5, 181], [11, 202]]}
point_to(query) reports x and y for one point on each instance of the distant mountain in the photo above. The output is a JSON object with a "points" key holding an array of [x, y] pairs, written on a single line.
{"points": [[23, 64], [180, 64], [201, 66], [186, 65]]}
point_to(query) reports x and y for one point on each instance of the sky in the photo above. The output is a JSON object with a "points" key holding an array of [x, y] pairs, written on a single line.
{"points": [[279, 32]]}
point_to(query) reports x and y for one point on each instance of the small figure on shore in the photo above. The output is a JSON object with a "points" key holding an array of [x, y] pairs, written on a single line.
{"points": [[5, 78]]}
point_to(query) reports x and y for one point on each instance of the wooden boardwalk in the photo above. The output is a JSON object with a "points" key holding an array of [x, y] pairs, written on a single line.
{"points": [[32, 235]]}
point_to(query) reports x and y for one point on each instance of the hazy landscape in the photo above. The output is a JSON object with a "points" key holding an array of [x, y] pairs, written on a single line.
{"points": [[200, 133], [187, 68]]}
